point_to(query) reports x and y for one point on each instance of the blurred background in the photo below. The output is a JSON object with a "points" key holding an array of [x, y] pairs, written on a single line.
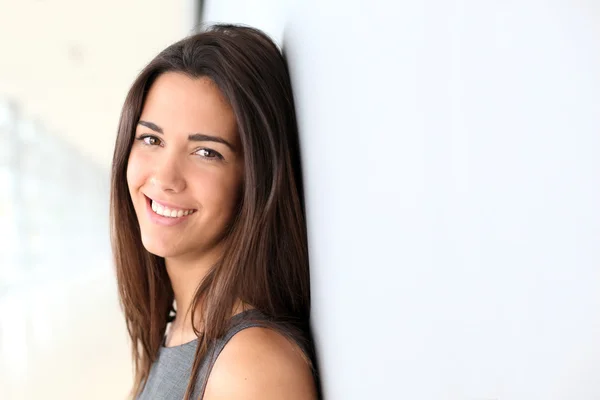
{"points": [[450, 155]]}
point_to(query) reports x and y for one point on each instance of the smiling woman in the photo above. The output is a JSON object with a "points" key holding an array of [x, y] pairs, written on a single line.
{"points": [[208, 228], [172, 172]]}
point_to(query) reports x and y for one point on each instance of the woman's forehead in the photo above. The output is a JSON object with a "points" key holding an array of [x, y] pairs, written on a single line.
{"points": [[179, 104]]}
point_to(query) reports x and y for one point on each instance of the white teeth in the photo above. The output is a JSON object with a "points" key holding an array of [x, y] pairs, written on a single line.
{"points": [[167, 212]]}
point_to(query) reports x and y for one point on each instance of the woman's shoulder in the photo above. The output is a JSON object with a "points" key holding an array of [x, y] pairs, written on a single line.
{"points": [[260, 362]]}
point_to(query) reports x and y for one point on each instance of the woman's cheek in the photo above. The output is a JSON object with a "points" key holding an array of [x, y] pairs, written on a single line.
{"points": [[214, 186], [135, 169]]}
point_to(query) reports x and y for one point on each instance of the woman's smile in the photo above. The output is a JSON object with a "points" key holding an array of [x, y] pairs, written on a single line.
{"points": [[164, 215]]}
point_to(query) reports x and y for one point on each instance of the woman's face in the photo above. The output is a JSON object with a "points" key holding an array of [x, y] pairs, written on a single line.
{"points": [[185, 167]]}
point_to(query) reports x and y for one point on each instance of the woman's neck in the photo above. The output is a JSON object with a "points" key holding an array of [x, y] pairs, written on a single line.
{"points": [[186, 275]]}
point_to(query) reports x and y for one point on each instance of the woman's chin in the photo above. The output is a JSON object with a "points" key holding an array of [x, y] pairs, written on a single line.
{"points": [[159, 248]]}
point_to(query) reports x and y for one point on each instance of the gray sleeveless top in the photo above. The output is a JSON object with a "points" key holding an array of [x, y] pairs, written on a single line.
{"points": [[170, 373]]}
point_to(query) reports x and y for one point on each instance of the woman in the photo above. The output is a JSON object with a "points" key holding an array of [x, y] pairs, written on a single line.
{"points": [[207, 213]]}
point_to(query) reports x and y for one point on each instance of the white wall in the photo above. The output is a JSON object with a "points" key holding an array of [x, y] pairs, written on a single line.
{"points": [[450, 153], [270, 15]]}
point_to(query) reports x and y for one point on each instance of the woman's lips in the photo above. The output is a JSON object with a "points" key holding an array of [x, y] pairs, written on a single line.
{"points": [[161, 219]]}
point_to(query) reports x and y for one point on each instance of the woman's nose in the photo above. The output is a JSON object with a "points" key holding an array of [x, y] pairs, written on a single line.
{"points": [[167, 176]]}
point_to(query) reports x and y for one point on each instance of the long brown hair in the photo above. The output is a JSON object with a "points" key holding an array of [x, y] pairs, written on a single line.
{"points": [[265, 263]]}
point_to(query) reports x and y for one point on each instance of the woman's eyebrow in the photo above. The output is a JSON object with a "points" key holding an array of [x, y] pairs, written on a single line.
{"points": [[201, 137], [195, 137], [150, 125]]}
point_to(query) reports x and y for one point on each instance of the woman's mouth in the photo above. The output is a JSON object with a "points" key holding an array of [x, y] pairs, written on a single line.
{"points": [[168, 212]]}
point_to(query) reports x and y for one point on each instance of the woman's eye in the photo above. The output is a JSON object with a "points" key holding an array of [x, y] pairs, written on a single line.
{"points": [[149, 140], [208, 153]]}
